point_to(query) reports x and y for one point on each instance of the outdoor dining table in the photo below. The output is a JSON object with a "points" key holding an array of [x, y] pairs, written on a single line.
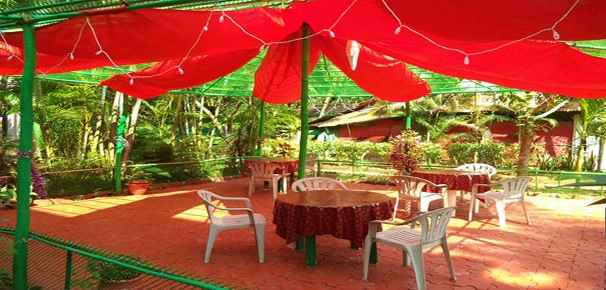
{"points": [[345, 214], [455, 180]]}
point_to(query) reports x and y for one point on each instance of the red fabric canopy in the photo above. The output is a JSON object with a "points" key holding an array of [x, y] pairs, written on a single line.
{"points": [[171, 75], [444, 33], [278, 79], [382, 76]]}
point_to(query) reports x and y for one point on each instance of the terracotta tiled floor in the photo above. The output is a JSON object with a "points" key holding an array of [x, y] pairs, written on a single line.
{"points": [[564, 249]]}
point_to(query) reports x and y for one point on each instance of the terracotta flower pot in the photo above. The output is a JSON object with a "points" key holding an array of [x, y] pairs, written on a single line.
{"points": [[138, 187]]}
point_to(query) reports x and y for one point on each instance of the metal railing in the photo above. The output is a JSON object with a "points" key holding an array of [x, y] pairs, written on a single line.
{"points": [[59, 264]]}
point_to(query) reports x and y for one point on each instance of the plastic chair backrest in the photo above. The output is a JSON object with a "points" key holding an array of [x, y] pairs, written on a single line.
{"points": [[478, 167], [262, 168], [207, 198], [434, 224], [317, 183], [514, 188], [409, 188]]}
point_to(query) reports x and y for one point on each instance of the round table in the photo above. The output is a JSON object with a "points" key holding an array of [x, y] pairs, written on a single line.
{"points": [[345, 214], [455, 180]]}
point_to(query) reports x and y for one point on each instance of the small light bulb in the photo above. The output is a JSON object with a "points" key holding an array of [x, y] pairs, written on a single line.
{"points": [[180, 70], [331, 33], [10, 57], [205, 28], [466, 60], [222, 18], [556, 35], [398, 30], [71, 56], [131, 81], [99, 52]]}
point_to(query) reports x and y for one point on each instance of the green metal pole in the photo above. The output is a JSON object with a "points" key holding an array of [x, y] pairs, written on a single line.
{"points": [[408, 124], [24, 161], [304, 102], [120, 142], [261, 134], [67, 285]]}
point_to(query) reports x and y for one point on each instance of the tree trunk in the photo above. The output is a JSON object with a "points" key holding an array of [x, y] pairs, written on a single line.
{"points": [[580, 158], [601, 153], [526, 136], [130, 133]]}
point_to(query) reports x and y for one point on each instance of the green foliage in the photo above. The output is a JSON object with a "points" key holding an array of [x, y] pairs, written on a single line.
{"points": [[487, 152], [352, 151], [6, 281], [432, 152], [106, 272], [278, 148]]}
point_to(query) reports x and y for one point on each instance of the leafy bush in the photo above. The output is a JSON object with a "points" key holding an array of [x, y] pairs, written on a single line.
{"points": [[488, 152], [352, 151], [107, 272], [432, 152]]}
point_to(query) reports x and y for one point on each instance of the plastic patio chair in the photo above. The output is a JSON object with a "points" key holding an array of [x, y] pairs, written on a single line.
{"points": [[478, 168], [513, 192], [411, 188], [231, 222], [265, 171], [311, 165], [412, 242], [317, 183]]}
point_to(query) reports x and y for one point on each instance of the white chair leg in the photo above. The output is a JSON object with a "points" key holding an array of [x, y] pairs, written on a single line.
{"points": [[500, 205], [212, 237], [274, 187], [476, 208], [366, 257], [448, 259], [525, 212], [405, 259], [424, 205], [260, 239], [285, 184], [472, 204], [416, 254], [251, 186]]}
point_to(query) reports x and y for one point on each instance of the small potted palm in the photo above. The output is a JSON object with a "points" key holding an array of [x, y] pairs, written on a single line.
{"points": [[111, 276], [139, 181]]}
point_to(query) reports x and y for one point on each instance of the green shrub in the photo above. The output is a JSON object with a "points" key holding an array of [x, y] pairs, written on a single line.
{"points": [[432, 152], [488, 152]]}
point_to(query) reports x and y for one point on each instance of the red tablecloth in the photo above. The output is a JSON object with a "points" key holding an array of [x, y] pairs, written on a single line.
{"points": [[287, 165], [343, 214], [454, 179]]}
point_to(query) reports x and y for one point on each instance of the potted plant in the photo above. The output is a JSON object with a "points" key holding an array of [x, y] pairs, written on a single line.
{"points": [[405, 153], [138, 183], [106, 274]]}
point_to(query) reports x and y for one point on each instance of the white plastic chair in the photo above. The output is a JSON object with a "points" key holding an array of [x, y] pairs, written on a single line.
{"points": [[412, 242], [311, 165], [231, 222], [317, 183], [513, 192], [479, 168], [265, 171], [410, 188]]}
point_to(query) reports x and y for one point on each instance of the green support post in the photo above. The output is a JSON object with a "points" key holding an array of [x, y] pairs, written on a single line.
{"points": [[67, 285], [408, 124], [304, 102], [120, 142], [24, 161], [261, 131], [310, 251]]}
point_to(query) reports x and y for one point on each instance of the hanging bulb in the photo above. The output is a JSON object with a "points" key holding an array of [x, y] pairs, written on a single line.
{"points": [[205, 28], [10, 57], [556, 35], [398, 30], [180, 70], [71, 56], [262, 48], [466, 60], [353, 53], [222, 18], [99, 52], [131, 81], [331, 33]]}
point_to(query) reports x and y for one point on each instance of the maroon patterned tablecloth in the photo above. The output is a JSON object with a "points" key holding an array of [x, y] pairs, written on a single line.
{"points": [[454, 179], [287, 165], [342, 213]]}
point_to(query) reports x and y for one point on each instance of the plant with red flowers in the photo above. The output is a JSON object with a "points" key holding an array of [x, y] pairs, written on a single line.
{"points": [[405, 152]]}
